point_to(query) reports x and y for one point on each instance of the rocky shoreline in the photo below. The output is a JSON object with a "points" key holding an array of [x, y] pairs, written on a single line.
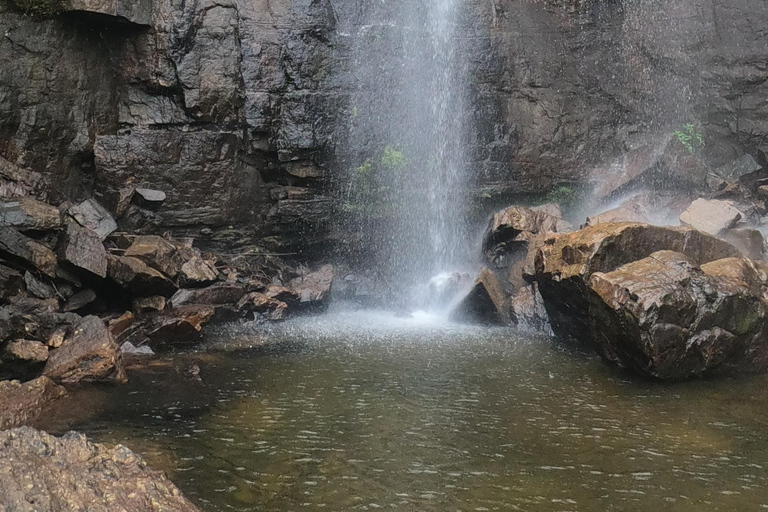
{"points": [[78, 293]]}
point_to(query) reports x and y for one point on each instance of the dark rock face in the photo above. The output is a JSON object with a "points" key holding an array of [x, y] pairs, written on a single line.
{"points": [[20, 403], [42, 472], [237, 111]]}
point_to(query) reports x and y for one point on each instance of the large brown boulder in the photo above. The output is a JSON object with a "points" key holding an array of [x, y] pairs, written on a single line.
{"points": [[90, 355], [158, 253], [563, 264], [20, 403], [42, 472], [665, 317], [609, 285], [711, 216], [486, 302], [178, 326]]}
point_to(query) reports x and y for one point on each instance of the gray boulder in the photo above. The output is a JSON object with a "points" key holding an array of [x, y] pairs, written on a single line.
{"points": [[91, 215], [82, 249]]}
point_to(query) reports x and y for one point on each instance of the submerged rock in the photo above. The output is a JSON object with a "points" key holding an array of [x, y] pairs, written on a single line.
{"points": [[42, 472], [20, 403], [486, 302]]}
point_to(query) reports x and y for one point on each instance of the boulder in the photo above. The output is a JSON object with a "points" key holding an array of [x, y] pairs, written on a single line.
{"points": [[314, 288], [529, 311], [657, 165], [148, 198], [25, 351], [283, 294], [91, 215], [510, 230], [138, 278], [148, 304], [195, 271], [217, 294], [177, 326], [486, 302], [711, 216], [664, 317], [90, 354], [563, 265], [119, 326], [268, 307], [158, 253], [18, 247], [740, 273], [646, 207], [25, 213], [42, 472], [82, 249], [21, 403]]}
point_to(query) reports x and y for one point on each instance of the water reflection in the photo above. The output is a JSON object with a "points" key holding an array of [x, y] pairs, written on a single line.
{"points": [[365, 414]]}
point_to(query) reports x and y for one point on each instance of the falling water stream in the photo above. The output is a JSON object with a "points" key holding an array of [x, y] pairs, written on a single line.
{"points": [[408, 170]]}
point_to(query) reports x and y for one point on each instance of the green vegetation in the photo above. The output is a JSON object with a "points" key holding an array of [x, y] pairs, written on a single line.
{"points": [[565, 196], [690, 137], [40, 8], [374, 182]]}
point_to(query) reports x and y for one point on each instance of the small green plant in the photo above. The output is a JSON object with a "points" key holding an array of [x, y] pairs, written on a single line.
{"points": [[690, 137], [371, 192], [41, 8], [392, 158]]}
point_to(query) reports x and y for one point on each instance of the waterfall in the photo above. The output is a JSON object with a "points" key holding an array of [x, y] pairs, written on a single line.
{"points": [[408, 171]]}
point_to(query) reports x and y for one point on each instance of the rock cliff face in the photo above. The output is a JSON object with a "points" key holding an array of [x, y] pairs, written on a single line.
{"points": [[239, 111]]}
